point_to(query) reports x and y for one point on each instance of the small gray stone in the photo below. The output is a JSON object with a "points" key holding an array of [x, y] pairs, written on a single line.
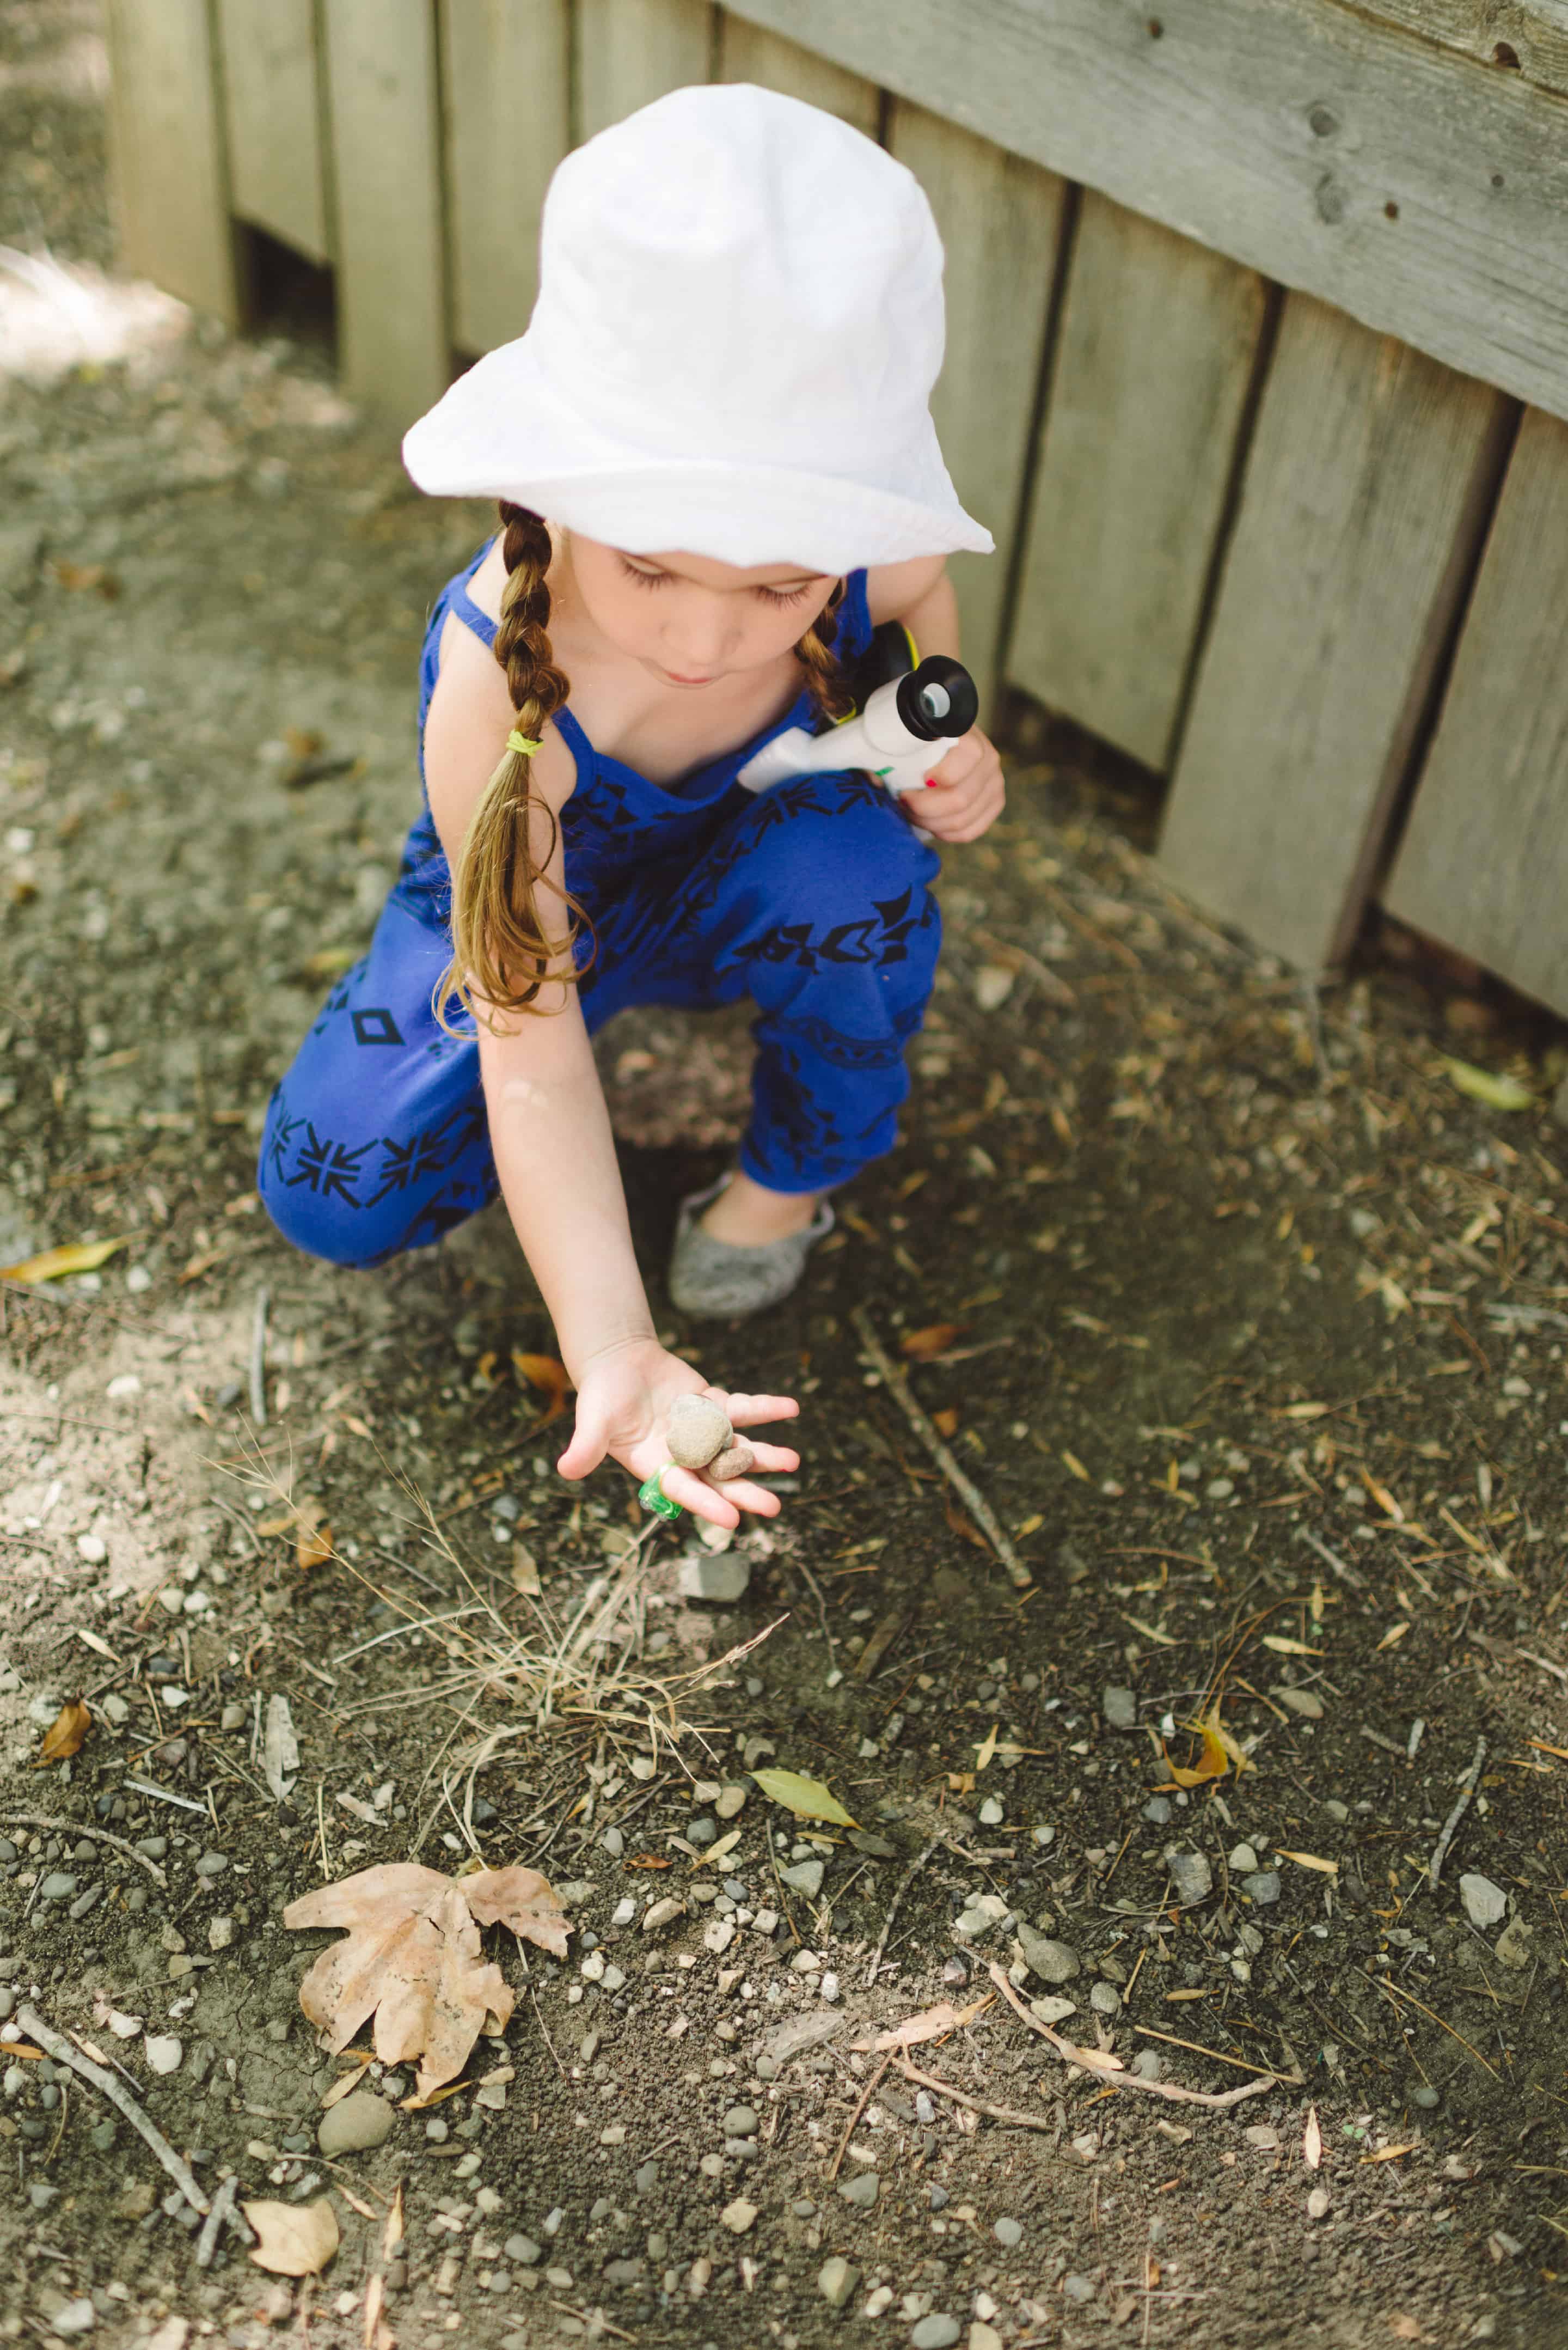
{"points": [[86, 1901], [647, 2177], [936, 2332], [75, 2317], [1299, 1701], [57, 1887], [523, 2251], [740, 2122], [875, 1847], [103, 2135], [1156, 1811], [1053, 1962], [1146, 2064], [1242, 1860], [1426, 2097], [613, 1842], [1078, 2288], [1008, 2232], [212, 1864], [1119, 1707], [1486, 1904], [234, 1717], [1190, 1874], [1105, 1998], [862, 2192], [355, 2125], [696, 1429], [836, 2281], [624, 2272], [162, 2052], [1262, 1886], [720, 1577], [805, 1878], [1512, 1946]]}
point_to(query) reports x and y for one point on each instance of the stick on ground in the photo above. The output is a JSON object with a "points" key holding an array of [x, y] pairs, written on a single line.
{"points": [[1087, 2060], [973, 1500], [60, 2049], [211, 2226], [904, 1883], [98, 1834], [1450, 1825], [258, 1360], [976, 2105]]}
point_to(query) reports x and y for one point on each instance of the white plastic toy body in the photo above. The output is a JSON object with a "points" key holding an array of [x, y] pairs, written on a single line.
{"points": [[902, 733]]}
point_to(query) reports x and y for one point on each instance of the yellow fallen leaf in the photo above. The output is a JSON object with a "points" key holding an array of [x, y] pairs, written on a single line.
{"points": [[807, 1798], [547, 1378], [1030, 1525], [1163, 1639], [1395, 1632], [1287, 1647], [53, 1265], [984, 1753], [1309, 1860], [64, 1734], [1220, 1752], [1496, 1092], [1311, 2140], [349, 2082], [294, 2239], [1303, 1411], [1389, 2153], [1077, 1466]]}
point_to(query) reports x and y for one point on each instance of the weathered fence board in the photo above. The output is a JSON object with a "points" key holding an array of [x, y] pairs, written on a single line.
{"points": [[1484, 861], [505, 69], [1526, 37], [271, 103], [1157, 343], [748, 53], [394, 348], [1000, 220], [168, 175], [1364, 496], [631, 51], [1278, 131]]}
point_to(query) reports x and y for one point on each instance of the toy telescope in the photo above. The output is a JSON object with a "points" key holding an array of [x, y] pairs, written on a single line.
{"points": [[901, 729]]}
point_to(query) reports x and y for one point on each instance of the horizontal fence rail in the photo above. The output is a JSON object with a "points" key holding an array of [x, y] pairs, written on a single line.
{"points": [[1257, 355]]}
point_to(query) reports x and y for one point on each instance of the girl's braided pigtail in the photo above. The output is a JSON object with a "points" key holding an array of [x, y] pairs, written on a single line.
{"points": [[501, 951], [825, 678]]}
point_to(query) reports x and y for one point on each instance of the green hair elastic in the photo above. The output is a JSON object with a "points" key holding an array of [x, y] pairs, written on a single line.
{"points": [[653, 1496], [524, 744]]}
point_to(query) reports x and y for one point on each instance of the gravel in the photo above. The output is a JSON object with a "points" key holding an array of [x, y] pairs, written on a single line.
{"points": [[936, 2332], [1053, 1962], [1119, 1707], [836, 2281], [861, 2192], [1262, 1886], [1190, 1873]]}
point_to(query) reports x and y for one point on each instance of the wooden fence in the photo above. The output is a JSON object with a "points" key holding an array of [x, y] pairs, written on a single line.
{"points": [[1257, 362]]}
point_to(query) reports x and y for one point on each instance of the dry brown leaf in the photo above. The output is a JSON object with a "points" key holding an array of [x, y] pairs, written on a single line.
{"points": [[931, 2023], [946, 1422], [411, 1959], [1220, 1751], [64, 1734], [393, 2233], [293, 2239], [525, 1571], [55, 1263], [348, 2084], [1403, 2328], [547, 1378], [1311, 2140], [1309, 1860], [86, 577], [958, 1523], [1389, 2153], [921, 1346], [313, 1542], [303, 742]]}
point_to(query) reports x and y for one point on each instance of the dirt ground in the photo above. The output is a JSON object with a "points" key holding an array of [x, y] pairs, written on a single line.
{"points": [[1246, 1320]]}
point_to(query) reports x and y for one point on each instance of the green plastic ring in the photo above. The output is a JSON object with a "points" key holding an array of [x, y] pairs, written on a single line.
{"points": [[653, 1496]]}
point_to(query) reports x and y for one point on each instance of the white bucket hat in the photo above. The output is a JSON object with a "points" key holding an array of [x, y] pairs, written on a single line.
{"points": [[739, 324]]}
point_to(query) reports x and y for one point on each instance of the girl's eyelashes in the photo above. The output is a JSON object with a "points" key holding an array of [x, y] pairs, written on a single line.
{"points": [[768, 595]]}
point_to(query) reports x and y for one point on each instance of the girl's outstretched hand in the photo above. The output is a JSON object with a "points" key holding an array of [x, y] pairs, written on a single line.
{"points": [[965, 793], [623, 1396]]}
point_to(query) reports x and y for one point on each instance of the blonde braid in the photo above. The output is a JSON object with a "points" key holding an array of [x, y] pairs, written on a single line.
{"points": [[501, 951], [824, 677]]}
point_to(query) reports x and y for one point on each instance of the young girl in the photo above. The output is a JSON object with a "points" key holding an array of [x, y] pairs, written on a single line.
{"points": [[717, 473]]}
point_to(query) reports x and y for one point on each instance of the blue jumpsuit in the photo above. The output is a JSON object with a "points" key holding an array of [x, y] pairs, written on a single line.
{"points": [[813, 898]]}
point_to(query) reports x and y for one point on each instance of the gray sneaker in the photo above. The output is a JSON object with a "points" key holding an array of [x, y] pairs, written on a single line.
{"points": [[718, 1279]]}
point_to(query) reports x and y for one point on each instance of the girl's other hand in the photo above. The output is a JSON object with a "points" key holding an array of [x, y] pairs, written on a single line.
{"points": [[965, 795], [623, 1396]]}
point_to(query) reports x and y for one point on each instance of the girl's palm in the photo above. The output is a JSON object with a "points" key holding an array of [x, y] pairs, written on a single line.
{"points": [[622, 1403]]}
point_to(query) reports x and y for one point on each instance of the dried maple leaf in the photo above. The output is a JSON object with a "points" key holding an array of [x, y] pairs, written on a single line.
{"points": [[293, 2239], [411, 1959], [64, 1734], [547, 1377]]}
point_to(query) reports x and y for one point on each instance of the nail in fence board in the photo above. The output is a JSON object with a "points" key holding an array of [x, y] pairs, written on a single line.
{"points": [[630, 52], [747, 53], [1483, 865], [1157, 342], [1000, 221], [166, 166], [1358, 515], [1276, 131], [272, 106], [504, 81], [393, 346]]}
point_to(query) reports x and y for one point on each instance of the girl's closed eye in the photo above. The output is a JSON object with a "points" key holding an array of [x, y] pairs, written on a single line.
{"points": [[769, 595]]}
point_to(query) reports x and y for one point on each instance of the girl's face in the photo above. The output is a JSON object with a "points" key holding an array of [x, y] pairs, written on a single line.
{"points": [[692, 621]]}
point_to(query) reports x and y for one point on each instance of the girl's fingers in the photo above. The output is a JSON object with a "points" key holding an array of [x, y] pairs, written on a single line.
{"points": [[756, 1411], [775, 1459], [586, 1450], [703, 1500], [747, 1496]]}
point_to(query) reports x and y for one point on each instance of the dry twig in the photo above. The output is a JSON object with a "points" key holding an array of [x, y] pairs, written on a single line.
{"points": [[976, 2105], [1450, 1825], [904, 1883], [211, 2226], [258, 1360], [98, 1834], [973, 1500], [1089, 2060], [56, 2045], [865, 2097]]}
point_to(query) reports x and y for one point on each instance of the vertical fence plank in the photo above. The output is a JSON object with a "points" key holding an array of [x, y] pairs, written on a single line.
{"points": [[749, 53], [1364, 496], [1154, 355], [630, 52], [1000, 221], [166, 165], [393, 346], [1484, 862], [272, 106], [504, 85]]}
